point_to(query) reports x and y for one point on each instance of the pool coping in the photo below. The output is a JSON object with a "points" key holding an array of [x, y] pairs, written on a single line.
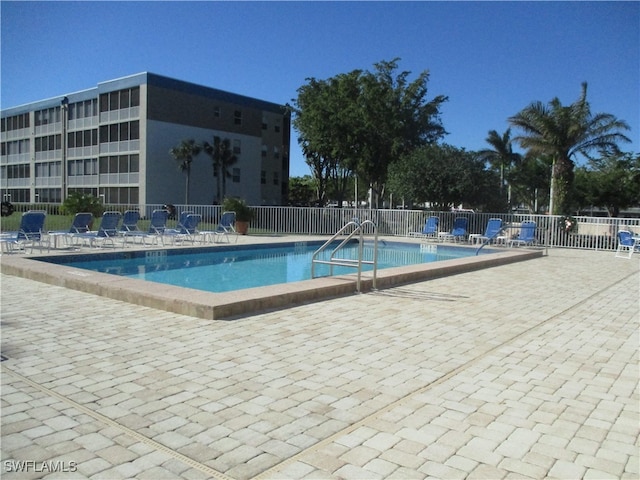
{"points": [[230, 305]]}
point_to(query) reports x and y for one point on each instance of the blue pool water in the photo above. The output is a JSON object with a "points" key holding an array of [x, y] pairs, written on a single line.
{"points": [[227, 268]]}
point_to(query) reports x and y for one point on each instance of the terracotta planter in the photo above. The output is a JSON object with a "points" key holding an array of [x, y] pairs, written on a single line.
{"points": [[242, 227]]}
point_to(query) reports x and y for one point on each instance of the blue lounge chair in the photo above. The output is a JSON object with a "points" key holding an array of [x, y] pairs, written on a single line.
{"points": [[179, 226], [627, 244], [226, 226], [80, 224], [494, 227], [156, 229], [158, 222], [458, 232], [430, 228], [30, 233], [130, 221], [187, 228], [181, 222], [527, 235], [108, 230]]}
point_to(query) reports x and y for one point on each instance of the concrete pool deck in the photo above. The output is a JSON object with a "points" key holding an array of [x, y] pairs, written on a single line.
{"points": [[524, 370]]}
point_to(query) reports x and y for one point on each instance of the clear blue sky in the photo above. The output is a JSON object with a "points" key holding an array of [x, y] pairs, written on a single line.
{"points": [[490, 58]]}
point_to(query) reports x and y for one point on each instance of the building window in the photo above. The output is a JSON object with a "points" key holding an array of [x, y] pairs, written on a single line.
{"points": [[126, 98], [276, 180], [85, 190], [75, 168], [119, 132], [88, 108], [82, 138], [120, 164], [237, 149], [48, 195], [91, 108], [120, 195], [15, 147], [114, 101], [16, 195], [48, 169], [135, 97], [263, 177], [18, 171], [237, 117], [48, 143], [16, 122], [216, 112], [235, 176], [47, 116], [134, 132], [124, 131], [88, 166]]}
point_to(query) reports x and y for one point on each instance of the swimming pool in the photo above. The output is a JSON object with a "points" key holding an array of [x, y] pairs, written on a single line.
{"points": [[234, 267], [51, 269]]}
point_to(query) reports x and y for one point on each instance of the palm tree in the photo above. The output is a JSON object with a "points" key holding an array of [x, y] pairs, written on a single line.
{"points": [[563, 132], [222, 157], [501, 156], [184, 153]]}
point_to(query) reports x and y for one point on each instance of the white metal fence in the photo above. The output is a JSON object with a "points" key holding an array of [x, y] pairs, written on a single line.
{"points": [[594, 233]]}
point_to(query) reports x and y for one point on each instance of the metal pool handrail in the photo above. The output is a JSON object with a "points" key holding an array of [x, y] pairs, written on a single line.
{"points": [[347, 262]]}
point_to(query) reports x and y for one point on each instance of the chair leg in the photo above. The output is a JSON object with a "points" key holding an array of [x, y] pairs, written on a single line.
{"points": [[620, 253]]}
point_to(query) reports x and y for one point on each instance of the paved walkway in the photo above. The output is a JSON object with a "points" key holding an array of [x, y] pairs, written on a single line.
{"points": [[527, 370]]}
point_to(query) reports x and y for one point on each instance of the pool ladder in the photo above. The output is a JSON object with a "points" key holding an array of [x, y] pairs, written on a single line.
{"points": [[357, 229]]}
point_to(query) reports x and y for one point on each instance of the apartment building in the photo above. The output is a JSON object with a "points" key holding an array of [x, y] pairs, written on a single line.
{"points": [[113, 141]]}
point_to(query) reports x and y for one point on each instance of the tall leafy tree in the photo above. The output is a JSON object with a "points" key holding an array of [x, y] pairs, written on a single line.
{"points": [[183, 154], [530, 180], [301, 190], [395, 118], [564, 132], [442, 175], [361, 122], [222, 157], [610, 182], [325, 117], [501, 156]]}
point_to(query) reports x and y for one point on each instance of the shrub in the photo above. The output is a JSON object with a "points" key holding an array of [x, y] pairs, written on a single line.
{"points": [[82, 202]]}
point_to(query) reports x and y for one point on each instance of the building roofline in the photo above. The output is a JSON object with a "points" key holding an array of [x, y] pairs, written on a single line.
{"points": [[49, 102], [150, 79], [211, 92]]}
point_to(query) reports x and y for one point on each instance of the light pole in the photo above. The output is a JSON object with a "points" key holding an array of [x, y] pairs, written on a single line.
{"points": [[551, 206], [64, 103]]}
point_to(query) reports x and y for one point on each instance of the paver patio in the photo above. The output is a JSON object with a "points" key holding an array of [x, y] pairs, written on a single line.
{"points": [[527, 370]]}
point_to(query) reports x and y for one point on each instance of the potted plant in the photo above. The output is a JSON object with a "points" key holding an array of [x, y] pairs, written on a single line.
{"points": [[244, 213]]}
